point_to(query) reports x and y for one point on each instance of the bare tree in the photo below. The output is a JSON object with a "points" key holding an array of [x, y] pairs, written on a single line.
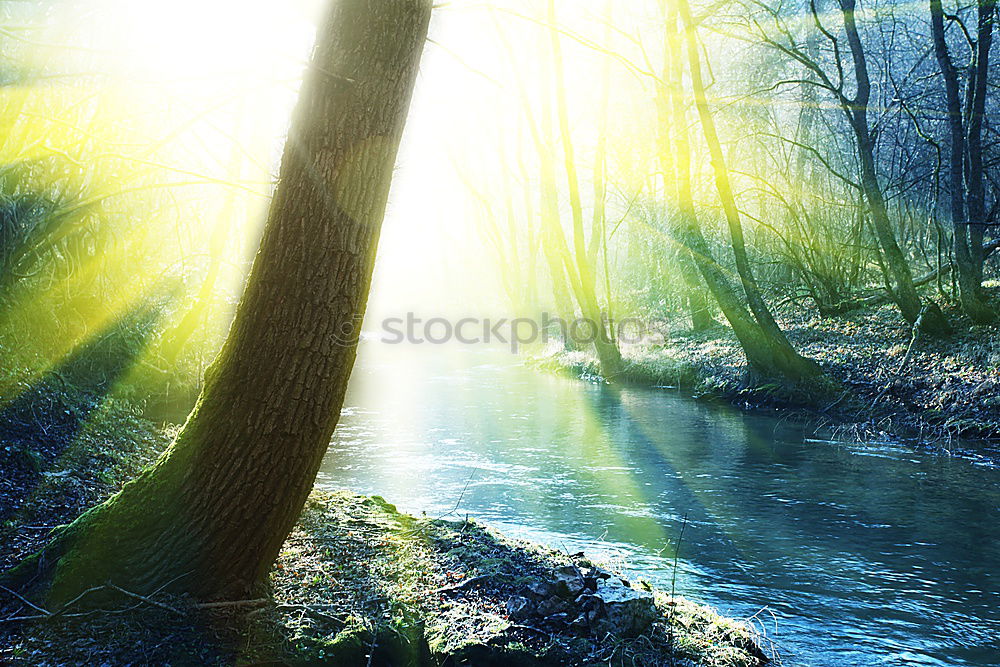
{"points": [[765, 345], [965, 264]]}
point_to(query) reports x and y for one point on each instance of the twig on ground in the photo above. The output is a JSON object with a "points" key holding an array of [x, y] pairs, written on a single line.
{"points": [[462, 586], [914, 336], [145, 599], [231, 603], [528, 628], [314, 610], [64, 612], [26, 601]]}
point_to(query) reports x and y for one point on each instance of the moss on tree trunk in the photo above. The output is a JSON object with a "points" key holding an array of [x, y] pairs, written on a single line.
{"points": [[210, 516]]}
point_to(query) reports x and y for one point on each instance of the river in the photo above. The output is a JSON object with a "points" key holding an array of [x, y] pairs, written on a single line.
{"points": [[845, 554]]}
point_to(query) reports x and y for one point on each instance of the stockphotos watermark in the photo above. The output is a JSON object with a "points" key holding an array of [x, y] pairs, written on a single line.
{"points": [[512, 332]]}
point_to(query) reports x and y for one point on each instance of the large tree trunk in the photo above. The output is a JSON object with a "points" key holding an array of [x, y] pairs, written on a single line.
{"points": [[209, 518], [968, 283]]}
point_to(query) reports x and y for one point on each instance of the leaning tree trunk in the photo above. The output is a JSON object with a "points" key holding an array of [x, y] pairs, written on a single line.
{"points": [[693, 290], [580, 263], [765, 353], [767, 335], [718, 162], [210, 516]]}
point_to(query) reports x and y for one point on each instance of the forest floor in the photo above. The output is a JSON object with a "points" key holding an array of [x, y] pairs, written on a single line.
{"points": [[943, 389], [357, 582]]}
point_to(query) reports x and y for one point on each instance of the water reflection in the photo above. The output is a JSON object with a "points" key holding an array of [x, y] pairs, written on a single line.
{"points": [[864, 556]]}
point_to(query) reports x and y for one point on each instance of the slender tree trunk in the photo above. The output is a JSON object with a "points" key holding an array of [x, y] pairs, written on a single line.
{"points": [[766, 353], [585, 287], [606, 343], [968, 284], [791, 363], [210, 516], [754, 298], [565, 282], [694, 292], [977, 192], [550, 235], [903, 291], [553, 247]]}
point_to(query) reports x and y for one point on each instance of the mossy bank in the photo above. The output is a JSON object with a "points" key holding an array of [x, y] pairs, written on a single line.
{"points": [[881, 382], [357, 582]]}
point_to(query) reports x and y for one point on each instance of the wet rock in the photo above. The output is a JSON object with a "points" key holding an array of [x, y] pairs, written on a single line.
{"points": [[594, 577], [626, 611], [519, 608], [596, 573], [588, 601], [614, 582]]}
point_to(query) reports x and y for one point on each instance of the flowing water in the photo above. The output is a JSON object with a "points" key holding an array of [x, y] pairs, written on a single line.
{"points": [[844, 554]]}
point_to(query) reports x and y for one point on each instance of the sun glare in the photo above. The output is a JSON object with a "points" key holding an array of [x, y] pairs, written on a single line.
{"points": [[193, 39], [156, 128]]}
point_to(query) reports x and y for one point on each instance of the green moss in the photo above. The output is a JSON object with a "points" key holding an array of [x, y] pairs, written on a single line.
{"points": [[355, 578], [386, 571]]}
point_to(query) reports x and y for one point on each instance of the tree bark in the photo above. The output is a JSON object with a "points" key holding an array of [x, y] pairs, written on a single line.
{"points": [[977, 193], [743, 269], [968, 284], [210, 516], [585, 285], [765, 353], [903, 290], [553, 246], [780, 354], [694, 291]]}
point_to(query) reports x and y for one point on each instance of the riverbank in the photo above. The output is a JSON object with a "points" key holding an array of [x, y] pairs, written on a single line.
{"points": [[881, 383], [355, 578]]}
